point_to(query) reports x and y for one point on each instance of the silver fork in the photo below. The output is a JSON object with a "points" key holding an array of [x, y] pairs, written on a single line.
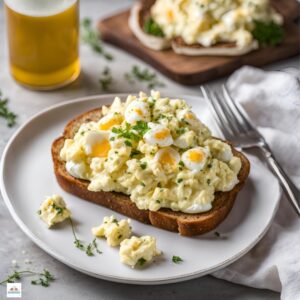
{"points": [[237, 128]]}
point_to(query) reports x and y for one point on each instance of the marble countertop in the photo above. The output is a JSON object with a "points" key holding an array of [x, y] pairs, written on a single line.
{"points": [[71, 284]]}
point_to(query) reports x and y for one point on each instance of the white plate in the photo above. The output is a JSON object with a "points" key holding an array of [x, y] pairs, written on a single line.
{"points": [[27, 177]]}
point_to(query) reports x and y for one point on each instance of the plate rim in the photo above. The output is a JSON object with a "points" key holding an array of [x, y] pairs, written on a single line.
{"points": [[45, 247]]}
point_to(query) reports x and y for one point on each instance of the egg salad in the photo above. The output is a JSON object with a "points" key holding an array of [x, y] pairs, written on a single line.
{"points": [[138, 250], [53, 210], [155, 150], [113, 230], [208, 22]]}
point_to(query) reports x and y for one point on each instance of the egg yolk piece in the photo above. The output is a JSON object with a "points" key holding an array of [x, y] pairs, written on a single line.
{"points": [[158, 135], [101, 149], [167, 156], [109, 121], [96, 144], [196, 156], [137, 111], [162, 134], [195, 159]]}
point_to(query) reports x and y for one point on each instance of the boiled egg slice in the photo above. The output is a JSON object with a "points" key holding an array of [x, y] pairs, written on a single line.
{"points": [[137, 111], [158, 135], [188, 117], [110, 120], [96, 143], [195, 158], [78, 170], [167, 157]]}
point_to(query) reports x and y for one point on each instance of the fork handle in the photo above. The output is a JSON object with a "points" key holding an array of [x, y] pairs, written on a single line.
{"points": [[290, 189]]}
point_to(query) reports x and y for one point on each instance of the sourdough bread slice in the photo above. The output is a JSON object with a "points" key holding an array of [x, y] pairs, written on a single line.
{"points": [[185, 224], [140, 12]]}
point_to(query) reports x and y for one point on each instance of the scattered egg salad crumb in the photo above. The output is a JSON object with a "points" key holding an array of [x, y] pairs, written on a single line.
{"points": [[138, 250], [113, 230], [155, 150], [208, 22], [53, 210]]}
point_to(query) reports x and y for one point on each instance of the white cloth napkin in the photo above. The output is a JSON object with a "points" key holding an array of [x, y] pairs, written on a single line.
{"points": [[272, 99]]}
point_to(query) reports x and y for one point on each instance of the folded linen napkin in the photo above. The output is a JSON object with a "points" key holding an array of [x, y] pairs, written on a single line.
{"points": [[272, 100]]}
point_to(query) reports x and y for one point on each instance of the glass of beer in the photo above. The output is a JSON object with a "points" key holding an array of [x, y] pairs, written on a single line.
{"points": [[43, 38]]}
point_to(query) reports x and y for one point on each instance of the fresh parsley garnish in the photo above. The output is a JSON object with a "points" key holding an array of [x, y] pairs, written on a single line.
{"points": [[126, 132], [44, 278], [145, 75], [5, 113], [92, 38], [128, 143], [217, 234], [267, 33], [143, 165], [106, 79], [134, 152], [177, 259], [115, 221], [181, 130], [58, 208], [141, 128], [181, 163], [179, 180], [141, 261], [151, 27]]}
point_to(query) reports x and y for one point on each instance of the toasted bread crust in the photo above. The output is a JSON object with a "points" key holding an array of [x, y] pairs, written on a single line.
{"points": [[185, 224]]}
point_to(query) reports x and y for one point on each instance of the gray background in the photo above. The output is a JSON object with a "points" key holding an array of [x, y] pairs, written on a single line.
{"points": [[71, 284]]}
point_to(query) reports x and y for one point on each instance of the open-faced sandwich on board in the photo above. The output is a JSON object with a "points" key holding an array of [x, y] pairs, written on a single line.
{"points": [[152, 159], [206, 27]]}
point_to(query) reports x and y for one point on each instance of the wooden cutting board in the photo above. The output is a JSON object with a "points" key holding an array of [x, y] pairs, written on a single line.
{"points": [[195, 70]]}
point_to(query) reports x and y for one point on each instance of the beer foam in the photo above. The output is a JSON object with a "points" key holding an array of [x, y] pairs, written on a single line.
{"points": [[39, 8]]}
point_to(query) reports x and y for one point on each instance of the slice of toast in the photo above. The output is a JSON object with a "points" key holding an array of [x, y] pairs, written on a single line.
{"points": [[185, 224], [140, 12]]}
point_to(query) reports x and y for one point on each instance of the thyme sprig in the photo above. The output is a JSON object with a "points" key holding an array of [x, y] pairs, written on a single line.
{"points": [[90, 248], [92, 38], [143, 75], [5, 113], [44, 278], [106, 79]]}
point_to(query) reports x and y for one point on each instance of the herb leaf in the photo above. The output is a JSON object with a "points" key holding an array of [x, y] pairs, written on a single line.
{"points": [[141, 261], [176, 259], [6, 113], [151, 27], [92, 38], [78, 244], [267, 33], [106, 79], [44, 278], [141, 127], [145, 75]]}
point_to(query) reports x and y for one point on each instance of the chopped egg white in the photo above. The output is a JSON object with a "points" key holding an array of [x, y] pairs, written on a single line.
{"points": [[113, 230], [137, 111], [164, 158], [158, 135], [137, 251], [110, 120], [195, 158], [97, 143], [53, 210]]}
